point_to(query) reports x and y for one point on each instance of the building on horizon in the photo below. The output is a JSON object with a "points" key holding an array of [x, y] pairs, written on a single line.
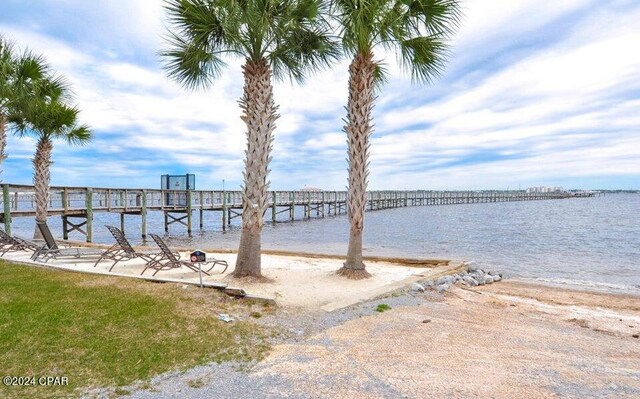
{"points": [[308, 188], [545, 189]]}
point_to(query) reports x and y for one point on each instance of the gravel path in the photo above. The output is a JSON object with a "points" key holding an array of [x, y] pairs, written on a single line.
{"points": [[473, 345]]}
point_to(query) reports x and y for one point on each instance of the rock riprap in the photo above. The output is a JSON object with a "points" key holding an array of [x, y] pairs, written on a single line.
{"points": [[473, 276]]}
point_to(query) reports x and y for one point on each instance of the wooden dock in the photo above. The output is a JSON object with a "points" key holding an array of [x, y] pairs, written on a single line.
{"points": [[76, 205]]}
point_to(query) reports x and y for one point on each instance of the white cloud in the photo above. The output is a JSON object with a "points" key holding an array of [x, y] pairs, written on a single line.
{"points": [[562, 103]]}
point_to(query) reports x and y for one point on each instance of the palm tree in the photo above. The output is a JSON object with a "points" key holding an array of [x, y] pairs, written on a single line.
{"points": [[6, 75], [274, 37], [417, 30], [47, 118], [22, 79]]}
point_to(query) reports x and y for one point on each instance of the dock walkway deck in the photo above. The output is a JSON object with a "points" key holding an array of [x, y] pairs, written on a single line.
{"points": [[76, 205]]}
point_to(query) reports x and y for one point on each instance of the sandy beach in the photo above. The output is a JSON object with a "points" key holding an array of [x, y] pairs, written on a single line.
{"points": [[509, 339], [512, 338], [290, 281]]}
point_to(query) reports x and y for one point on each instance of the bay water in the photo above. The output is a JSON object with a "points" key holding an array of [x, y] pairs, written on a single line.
{"points": [[587, 241]]}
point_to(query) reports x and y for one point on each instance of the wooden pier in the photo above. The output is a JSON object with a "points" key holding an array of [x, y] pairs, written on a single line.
{"points": [[76, 205]]}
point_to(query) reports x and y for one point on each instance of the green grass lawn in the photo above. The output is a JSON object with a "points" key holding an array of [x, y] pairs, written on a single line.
{"points": [[105, 331]]}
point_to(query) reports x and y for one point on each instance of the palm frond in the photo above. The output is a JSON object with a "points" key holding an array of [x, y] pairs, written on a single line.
{"points": [[423, 57], [18, 124], [7, 55], [302, 41], [7, 49], [54, 88], [380, 75], [302, 51], [438, 17], [418, 30], [292, 35], [48, 117], [37, 100], [79, 135], [201, 31], [30, 67], [189, 64]]}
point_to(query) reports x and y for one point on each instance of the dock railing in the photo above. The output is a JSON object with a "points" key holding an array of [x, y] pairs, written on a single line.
{"points": [[76, 205]]}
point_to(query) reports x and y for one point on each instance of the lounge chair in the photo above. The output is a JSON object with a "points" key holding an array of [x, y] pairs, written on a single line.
{"points": [[11, 244], [122, 250], [51, 250], [170, 261]]}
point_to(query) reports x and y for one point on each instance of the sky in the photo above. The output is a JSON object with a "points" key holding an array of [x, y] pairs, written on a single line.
{"points": [[534, 93]]}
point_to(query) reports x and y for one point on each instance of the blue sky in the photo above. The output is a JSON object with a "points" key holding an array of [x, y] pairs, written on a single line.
{"points": [[535, 93]]}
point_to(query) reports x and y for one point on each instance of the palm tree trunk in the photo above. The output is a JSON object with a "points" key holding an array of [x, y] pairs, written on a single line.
{"points": [[3, 141], [42, 179], [359, 127], [259, 113]]}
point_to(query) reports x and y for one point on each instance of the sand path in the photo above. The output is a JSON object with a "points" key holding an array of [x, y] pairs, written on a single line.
{"points": [[510, 340]]}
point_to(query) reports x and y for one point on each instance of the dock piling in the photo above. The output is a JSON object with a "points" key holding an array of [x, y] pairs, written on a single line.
{"points": [[143, 214], [89, 206], [6, 199], [224, 211], [189, 209], [65, 228], [201, 203], [274, 197]]}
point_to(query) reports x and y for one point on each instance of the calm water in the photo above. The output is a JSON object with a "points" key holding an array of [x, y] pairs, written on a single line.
{"points": [[587, 240]]}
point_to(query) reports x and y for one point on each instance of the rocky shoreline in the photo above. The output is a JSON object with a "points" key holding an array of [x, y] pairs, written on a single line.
{"points": [[473, 276]]}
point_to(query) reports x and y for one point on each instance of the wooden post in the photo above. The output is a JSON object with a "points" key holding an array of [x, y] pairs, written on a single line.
{"points": [[224, 211], [292, 210], [65, 200], [143, 214], [201, 209], [65, 228], [189, 213], [7, 208], [166, 222], [122, 221], [89, 202], [273, 207]]}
